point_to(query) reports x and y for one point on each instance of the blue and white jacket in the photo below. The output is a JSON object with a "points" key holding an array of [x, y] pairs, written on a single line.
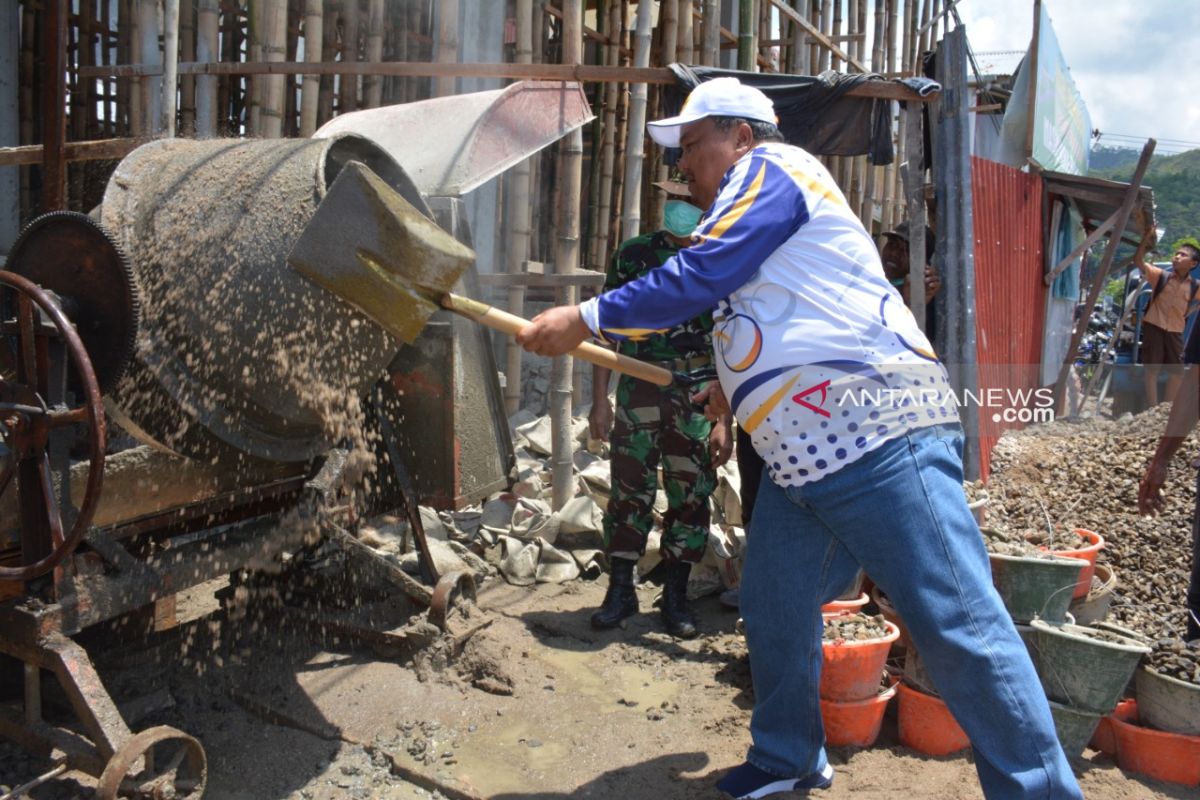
{"points": [[819, 357]]}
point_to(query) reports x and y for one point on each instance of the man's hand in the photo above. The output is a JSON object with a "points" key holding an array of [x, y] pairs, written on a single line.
{"points": [[933, 284], [600, 419], [716, 407], [554, 332], [720, 441], [1150, 499]]}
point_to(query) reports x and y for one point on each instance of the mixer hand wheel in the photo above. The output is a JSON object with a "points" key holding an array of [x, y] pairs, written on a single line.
{"points": [[31, 416], [160, 763]]}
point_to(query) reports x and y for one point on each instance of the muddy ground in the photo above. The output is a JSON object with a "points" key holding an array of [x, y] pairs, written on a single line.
{"points": [[537, 706]]}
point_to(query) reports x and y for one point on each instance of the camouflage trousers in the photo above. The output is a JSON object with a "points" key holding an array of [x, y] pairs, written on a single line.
{"points": [[656, 425]]}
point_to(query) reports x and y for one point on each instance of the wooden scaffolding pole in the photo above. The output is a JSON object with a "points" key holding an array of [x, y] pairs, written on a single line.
{"points": [[636, 134], [55, 15], [169, 98], [329, 50], [566, 261], [669, 44], [187, 52], [518, 225], [274, 49], [710, 55], [447, 49], [373, 90], [310, 90]]}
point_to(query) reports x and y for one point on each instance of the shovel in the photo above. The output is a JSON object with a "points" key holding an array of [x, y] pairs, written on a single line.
{"points": [[372, 248]]}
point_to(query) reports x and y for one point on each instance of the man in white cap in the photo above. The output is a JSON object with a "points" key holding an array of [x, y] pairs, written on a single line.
{"points": [[852, 412]]}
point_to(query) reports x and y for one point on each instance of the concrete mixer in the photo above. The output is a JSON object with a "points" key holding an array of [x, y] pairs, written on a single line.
{"points": [[271, 414]]}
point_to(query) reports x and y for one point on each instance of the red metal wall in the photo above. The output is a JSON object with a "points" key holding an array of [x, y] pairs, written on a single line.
{"points": [[1010, 295]]}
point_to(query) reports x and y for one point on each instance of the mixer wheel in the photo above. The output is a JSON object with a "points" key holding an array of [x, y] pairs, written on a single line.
{"points": [[30, 418], [161, 763]]}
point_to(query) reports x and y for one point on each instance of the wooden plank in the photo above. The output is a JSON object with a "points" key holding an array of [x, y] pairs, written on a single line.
{"points": [[1091, 239], [1121, 217], [582, 73], [98, 150]]}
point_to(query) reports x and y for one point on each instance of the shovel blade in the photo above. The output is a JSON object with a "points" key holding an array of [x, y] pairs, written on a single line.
{"points": [[372, 248]]}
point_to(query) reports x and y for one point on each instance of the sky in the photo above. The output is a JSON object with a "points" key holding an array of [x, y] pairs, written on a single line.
{"points": [[1135, 63]]}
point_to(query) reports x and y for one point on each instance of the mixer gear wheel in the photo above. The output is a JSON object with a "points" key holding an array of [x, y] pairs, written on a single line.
{"points": [[173, 765], [33, 419], [76, 258]]}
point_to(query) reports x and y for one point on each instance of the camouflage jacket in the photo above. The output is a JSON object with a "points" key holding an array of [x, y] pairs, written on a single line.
{"points": [[634, 258]]}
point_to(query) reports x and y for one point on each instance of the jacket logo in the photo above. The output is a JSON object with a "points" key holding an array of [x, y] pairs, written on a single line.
{"points": [[818, 407]]}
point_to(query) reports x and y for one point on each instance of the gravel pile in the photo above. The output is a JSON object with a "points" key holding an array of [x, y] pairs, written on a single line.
{"points": [[1063, 475]]}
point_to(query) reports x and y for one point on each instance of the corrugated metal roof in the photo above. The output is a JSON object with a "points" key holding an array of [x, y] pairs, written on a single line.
{"points": [[1099, 199]]}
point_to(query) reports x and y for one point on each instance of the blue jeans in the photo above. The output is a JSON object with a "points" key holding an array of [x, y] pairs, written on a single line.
{"points": [[899, 513]]}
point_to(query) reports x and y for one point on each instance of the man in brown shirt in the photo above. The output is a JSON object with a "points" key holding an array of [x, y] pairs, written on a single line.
{"points": [[1173, 298]]}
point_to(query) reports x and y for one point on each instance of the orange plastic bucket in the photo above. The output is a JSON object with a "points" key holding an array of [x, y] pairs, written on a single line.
{"points": [[1088, 554], [926, 725], [851, 670], [1160, 755], [855, 723], [845, 606], [1104, 739]]}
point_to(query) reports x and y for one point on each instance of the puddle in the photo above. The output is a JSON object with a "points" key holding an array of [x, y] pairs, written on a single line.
{"points": [[637, 687]]}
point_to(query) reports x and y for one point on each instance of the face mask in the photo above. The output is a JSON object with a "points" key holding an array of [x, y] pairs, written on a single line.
{"points": [[680, 218]]}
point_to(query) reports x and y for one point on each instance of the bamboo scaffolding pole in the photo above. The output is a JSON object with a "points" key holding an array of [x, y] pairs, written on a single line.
{"points": [[836, 63], [254, 83], [630, 211], [314, 35], [80, 34], [566, 261], [669, 44], [329, 50], [710, 55], [519, 219], [398, 84], [373, 89], [878, 64], [888, 201], [857, 165], [608, 147], [447, 47], [291, 83], [83, 94], [348, 84], [108, 115], [798, 49], [825, 25], [187, 52], [923, 43], [136, 125], [685, 38], [745, 48], [53, 34], [906, 53], [899, 211], [231, 91], [169, 97], [225, 84], [274, 49], [543, 163]]}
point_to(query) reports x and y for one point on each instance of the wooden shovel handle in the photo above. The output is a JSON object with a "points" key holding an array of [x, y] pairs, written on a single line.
{"points": [[512, 325]]}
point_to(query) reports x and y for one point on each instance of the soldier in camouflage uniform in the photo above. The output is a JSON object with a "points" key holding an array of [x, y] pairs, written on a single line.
{"points": [[656, 424]]}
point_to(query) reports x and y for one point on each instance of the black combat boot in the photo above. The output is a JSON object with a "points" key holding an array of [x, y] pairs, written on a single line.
{"points": [[675, 612], [620, 601]]}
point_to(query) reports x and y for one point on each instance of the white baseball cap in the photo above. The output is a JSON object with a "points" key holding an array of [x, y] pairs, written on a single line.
{"points": [[720, 97]]}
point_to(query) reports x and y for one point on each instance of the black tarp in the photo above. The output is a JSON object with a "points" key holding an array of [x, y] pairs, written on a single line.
{"points": [[815, 112]]}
